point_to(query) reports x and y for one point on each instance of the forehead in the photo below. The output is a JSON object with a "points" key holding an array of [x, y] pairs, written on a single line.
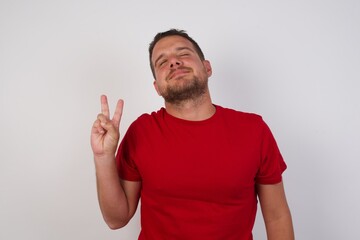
{"points": [[170, 43]]}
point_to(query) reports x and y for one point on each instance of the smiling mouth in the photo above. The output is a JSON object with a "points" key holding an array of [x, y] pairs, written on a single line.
{"points": [[178, 73]]}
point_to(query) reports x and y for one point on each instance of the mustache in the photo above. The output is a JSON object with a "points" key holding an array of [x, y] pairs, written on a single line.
{"points": [[172, 71]]}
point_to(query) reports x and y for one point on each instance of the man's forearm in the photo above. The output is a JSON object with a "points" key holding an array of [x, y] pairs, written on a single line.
{"points": [[112, 198], [280, 229]]}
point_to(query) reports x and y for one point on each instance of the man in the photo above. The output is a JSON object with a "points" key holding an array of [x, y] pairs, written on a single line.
{"points": [[197, 167]]}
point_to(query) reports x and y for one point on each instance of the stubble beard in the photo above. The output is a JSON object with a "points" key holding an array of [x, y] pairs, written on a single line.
{"points": [[190, 89]]}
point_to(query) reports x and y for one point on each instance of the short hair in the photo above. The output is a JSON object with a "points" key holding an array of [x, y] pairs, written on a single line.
{"points": [[173, 32]]}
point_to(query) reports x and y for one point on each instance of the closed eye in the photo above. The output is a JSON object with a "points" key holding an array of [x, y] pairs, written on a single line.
{"points": [[184, 53], [162, 62]]}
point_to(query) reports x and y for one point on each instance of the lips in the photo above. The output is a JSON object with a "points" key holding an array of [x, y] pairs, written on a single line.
{"points": [[178, 72]]}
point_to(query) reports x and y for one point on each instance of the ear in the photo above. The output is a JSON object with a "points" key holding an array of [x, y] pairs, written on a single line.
{"points": [[208, 67], [156, 87]]}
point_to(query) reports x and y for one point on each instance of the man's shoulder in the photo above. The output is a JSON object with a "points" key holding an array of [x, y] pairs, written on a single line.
{"points": [[150, 116], [147, 119], [238, 115]]}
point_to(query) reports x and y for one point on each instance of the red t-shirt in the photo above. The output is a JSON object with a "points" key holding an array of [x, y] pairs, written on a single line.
{"points": [[198, 177]]}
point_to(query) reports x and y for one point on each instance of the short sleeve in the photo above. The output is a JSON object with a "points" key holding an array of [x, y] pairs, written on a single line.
{"points": [[125, 158], [272, 164]]}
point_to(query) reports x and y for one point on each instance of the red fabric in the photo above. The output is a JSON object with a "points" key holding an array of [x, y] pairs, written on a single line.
{"points": [[198, 178]]}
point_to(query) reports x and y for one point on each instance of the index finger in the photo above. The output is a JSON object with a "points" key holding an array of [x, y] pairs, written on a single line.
{"points": [[105, 106], [118, 113]]}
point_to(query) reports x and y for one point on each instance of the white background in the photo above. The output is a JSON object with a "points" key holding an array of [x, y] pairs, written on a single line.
{"points": [[294, 62]]}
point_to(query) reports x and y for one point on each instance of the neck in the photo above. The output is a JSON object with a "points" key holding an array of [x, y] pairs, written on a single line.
{"points": [[193, 109]]}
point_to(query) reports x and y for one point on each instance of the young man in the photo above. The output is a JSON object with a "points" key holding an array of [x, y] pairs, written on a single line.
{"points": [[198, 167]]}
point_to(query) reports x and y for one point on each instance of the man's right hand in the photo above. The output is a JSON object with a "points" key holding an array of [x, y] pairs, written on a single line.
{"points": [[105, 131], [118, 198]]}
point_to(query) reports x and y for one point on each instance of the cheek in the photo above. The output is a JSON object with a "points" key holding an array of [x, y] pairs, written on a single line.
{"points": [[159, 74], [202, 71], [157, 88]]}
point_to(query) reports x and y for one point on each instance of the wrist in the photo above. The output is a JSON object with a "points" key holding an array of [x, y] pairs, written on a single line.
{"points": [[104, 159]]}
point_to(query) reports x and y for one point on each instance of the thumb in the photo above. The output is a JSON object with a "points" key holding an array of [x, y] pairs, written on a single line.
{"points": [[106, 123], [108, 126]]}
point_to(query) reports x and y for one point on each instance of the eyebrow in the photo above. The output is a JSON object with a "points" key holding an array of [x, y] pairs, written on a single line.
{"points": [[177, 49]]}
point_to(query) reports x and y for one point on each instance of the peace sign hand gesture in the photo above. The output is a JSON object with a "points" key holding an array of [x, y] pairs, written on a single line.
{"points": [[105, 131]]}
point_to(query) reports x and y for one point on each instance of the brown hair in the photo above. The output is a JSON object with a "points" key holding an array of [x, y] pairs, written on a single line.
{"points": [[173, 32]]}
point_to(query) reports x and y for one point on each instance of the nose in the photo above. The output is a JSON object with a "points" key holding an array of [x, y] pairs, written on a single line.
{"points": [[175, 62]]}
